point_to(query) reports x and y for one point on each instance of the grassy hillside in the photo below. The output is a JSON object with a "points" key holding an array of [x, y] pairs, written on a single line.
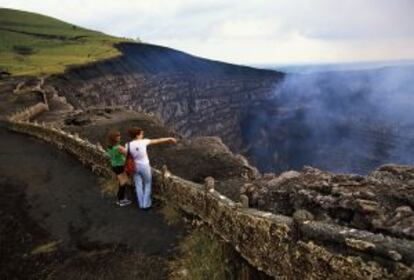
{"points": [[33, 44]]}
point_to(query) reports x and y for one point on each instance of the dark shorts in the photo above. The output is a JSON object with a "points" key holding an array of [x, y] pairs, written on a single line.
{"points": [[118, 169]]}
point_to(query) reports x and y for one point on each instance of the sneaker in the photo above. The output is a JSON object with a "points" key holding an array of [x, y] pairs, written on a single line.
{"points": [[123, 202], [127, 201]]}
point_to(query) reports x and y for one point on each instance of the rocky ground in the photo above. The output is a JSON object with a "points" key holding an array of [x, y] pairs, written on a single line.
{"points": [[381, 202]]}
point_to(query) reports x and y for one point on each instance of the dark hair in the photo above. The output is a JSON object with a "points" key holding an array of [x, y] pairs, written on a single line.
{"points": [[112, 135], [134, 131]]}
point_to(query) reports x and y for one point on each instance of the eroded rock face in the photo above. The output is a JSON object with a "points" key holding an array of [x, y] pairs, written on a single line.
{"points": [[381, 202], [194, 96]]}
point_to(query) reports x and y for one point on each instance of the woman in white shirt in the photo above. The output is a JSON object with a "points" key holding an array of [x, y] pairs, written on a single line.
{"points": [[142, 177]]}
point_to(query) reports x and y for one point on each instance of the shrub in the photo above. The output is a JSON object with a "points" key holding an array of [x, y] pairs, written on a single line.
{"points": [[23, 50]]}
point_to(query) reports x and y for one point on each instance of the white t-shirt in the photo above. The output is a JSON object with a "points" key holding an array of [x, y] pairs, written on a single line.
{"points": [[138, 150]]}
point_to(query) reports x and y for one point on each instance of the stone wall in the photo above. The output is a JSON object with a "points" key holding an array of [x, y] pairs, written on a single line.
{"points": [[278, 245], [282, 246], [86, 152], [29, 113]]}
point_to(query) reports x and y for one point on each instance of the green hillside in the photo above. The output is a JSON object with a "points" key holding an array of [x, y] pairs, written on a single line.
{"points": [[33, 44]]}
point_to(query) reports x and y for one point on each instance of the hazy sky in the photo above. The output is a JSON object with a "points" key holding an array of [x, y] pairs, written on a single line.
{"points": [[261, 31]]}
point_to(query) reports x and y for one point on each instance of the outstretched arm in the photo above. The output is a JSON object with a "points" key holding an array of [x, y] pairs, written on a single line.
{"points": [[168, 140]]}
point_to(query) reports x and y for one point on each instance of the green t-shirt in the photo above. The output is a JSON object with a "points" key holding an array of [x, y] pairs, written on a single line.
{"points": [[117, 158]]}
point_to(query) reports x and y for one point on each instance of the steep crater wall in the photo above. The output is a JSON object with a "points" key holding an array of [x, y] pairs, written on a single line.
{"points": [[194, 96]]}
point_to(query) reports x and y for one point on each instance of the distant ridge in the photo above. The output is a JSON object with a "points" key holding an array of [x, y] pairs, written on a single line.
{"points": [[334, 67], [154, 59]]}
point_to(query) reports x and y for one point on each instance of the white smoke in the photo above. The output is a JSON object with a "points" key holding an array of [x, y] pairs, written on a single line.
{"points": [[350, 121]]}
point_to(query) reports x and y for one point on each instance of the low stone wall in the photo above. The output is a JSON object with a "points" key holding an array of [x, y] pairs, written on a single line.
{"points": [[86, 152], [281, 246], [278, 245], [29, 113]]}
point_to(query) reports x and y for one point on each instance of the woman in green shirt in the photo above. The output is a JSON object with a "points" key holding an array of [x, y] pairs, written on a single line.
{"points": [[117, 155]]}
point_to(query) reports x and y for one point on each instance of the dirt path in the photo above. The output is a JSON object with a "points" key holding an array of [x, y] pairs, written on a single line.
{"points": [[49, 199]]}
